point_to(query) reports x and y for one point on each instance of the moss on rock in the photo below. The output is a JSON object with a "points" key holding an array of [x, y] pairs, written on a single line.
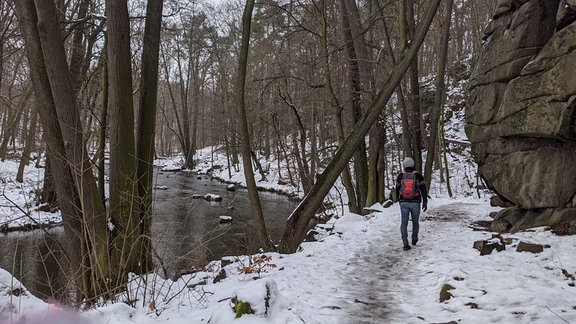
{"points": [[242, 307], [445, 292]]}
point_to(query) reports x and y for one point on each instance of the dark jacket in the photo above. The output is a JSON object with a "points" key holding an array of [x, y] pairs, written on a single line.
{"points": [[421, 184]]}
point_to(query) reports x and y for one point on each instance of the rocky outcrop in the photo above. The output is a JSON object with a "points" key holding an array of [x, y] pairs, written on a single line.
{"points": [[520, 114]]}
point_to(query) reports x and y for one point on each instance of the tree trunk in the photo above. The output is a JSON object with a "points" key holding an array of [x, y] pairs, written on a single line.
{"points": [[439, 95], [77, 52], [49, 190], [181, 110], [73, 179], [258, 166], [442, 146], [406, 109], [13, 120], [301, 163], [196, 91], [30, 143], [186, 119], [94, 220], [102, 129], [346, 176], [382, 167], [375, 170], [406, 136], [353, 36], [147, 128], [299, 147], [413, 79], [124, 213], [281, 151], [298, 221], [244, 133]]}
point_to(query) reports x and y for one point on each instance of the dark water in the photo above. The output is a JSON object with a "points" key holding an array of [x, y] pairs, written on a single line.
{"points": [[33, 258], [186, 232]]}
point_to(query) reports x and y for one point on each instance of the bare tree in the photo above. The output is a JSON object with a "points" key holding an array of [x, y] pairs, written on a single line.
{"points": [[415, 115], [13, 118], [244, 132], [31, 130], [359, 82], [81, 206], [147, 128], [122, 167], [335, 102], [298, 221], [439, 95]]}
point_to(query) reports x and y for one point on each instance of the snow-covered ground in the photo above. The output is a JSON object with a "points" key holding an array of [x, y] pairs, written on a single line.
{"points": [[356, 273]]}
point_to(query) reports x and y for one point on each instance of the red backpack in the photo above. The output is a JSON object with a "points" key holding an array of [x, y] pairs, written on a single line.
{"points": [[409, 185]]}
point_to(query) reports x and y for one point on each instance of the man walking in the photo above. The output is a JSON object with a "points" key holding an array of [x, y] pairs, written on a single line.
{"points": [[411, 191]]}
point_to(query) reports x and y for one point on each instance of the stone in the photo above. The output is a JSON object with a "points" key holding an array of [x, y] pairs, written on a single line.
{"points": [[212, 197], [225, 219], [259, 295], [515, 219], [226, 261], [220, 276], [388, 204], [497, 201], [503, 7], [562, 229], [566, 13], [529, 247], [521, 112], [500, 226], [445, 293], [241, 307], [487, 246]]}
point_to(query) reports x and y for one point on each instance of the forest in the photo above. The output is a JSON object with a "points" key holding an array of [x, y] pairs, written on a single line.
{"points": [[99, 89]]}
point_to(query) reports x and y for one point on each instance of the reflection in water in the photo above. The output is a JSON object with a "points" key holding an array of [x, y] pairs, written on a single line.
{"points": [[33, 258], [186, 232]]}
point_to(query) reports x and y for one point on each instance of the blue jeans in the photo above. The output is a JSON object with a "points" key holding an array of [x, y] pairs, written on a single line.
{"points": [[407, 208]]}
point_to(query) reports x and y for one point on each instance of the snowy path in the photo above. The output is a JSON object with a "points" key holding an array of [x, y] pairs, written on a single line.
{"points": [[380, 282], [375, 277]]}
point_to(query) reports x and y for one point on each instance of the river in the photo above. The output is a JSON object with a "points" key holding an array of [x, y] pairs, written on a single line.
{"points": [[186, 232]]}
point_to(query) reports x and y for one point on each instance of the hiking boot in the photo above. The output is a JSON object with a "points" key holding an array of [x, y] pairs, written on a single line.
{"points": [[406, 247], [414, 241]]}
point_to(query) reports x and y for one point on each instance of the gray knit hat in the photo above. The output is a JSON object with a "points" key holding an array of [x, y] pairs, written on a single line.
{"points": [[408, 162]]}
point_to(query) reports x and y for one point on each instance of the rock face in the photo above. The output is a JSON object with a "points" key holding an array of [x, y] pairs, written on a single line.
{"points": [[520, 114]]}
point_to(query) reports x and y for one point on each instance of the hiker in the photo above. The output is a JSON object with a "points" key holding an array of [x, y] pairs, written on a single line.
{"points": [[411, 191]]}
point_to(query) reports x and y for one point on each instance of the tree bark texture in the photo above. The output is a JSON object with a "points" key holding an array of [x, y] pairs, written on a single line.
{"points": [[244, 131], [414, 94], [439, 95], [147, 128], [30, 143], [354, 41], [123, 190], [82, 209], [346, 176]]}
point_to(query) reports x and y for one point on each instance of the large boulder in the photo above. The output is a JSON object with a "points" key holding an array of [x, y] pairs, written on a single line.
{"points": [[520, 114]]}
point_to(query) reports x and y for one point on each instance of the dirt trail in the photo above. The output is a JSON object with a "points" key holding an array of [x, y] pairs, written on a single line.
{"points": [[374, 282]]}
